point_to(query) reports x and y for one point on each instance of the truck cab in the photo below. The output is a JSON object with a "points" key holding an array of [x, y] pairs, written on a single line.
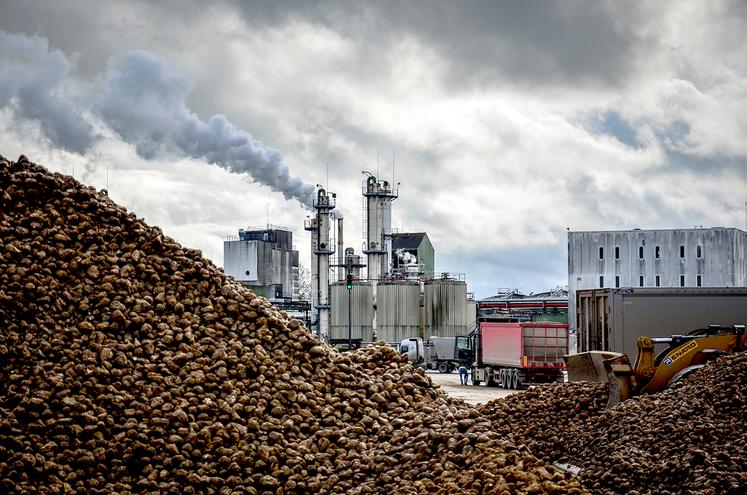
{"points": [[414, 350]]}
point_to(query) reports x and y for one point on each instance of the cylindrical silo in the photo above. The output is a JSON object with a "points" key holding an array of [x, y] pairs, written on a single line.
{"points": [[471, 317], [397, 310], [445, 308], [362, 312]]}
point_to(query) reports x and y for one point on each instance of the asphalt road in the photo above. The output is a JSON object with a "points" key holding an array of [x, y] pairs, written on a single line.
{"points": [[471, 394]]}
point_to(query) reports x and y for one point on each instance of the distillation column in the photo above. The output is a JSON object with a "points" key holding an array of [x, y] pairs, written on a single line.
{"points": [[378, 195], [312, 225], [323, 203]]}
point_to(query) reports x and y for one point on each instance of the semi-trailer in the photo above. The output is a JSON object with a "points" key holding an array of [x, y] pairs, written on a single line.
{"points": [[613, 319], [510, 355]]}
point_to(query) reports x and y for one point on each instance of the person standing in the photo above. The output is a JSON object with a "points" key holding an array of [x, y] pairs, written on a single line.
{"points": [[463, 374]]}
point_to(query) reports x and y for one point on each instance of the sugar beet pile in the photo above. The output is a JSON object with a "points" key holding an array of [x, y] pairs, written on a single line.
{"points": [[131, 364]]}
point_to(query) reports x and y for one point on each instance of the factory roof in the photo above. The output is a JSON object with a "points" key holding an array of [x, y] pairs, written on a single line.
{"points": [[407, 240], [698, 228], [514, 294]]}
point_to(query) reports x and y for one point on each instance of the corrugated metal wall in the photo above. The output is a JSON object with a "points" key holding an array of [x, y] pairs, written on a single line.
{"points": [[445, 308], [362, 311], [397, 311]]}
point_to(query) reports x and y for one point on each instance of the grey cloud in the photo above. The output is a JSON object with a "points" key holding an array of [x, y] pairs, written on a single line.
{"points": [[484, 42], [677, 160], [31, 86]]}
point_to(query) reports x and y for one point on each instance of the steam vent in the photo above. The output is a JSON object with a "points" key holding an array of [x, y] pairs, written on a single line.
{"points": [[129, 364]]}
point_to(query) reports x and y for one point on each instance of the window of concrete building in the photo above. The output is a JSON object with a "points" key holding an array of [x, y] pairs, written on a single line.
{"points": [[640, 252], [617, 252], [699, 250], [601, 282], [658, 252], [640, 281], [601, 253], [699, 281], [682, 280], [617, 280], [658, 281], [682, 251]]}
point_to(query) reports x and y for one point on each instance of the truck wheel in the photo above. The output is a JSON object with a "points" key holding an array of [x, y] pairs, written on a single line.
{"points": [[489, 378], [502, 378], [443, 367], [514, 379]]}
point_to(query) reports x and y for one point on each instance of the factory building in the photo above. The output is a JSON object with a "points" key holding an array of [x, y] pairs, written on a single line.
{"points": [[510, 305], [413, 251], [263, 259], [698, 257], [394, 293]]}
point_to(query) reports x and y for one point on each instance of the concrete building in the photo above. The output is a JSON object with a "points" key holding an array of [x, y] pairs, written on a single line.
{"points": [[698, 257], [263, 259], [413, 248]]}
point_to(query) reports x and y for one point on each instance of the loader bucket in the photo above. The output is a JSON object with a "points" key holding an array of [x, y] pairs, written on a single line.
{"points": [[588, 366], [612, 368]]}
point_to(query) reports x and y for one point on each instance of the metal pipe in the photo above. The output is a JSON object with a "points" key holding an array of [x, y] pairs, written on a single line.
{"points": [[340, 253]]}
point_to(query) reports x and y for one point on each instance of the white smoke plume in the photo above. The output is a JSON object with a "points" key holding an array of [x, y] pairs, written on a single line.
{"points": [[142, 99], [144, 102]]}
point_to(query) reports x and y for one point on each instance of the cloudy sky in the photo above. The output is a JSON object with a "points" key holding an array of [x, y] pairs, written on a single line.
{"points": [[506, 123]]}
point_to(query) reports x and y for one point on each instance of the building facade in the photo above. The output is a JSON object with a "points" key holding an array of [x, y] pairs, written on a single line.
{"points": [[413, 249], [263, 259], [698, 257]]}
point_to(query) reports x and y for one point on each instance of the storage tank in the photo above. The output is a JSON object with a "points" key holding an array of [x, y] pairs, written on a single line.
{"points": [[397, 310], [362, 312], [445, 308], [471, 317]]}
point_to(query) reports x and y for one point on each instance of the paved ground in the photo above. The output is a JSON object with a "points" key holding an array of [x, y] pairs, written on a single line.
{"points": [[471, 394]]}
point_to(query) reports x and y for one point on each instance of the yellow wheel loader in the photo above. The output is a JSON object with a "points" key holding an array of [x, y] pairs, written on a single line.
{"points": [[683, 355]]}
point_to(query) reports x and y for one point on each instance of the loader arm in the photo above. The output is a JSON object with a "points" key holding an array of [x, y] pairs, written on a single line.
{"points": [[650, 374], [691, 353]]}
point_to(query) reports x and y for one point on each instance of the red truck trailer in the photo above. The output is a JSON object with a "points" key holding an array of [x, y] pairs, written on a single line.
{"points": [[510, 355]]}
